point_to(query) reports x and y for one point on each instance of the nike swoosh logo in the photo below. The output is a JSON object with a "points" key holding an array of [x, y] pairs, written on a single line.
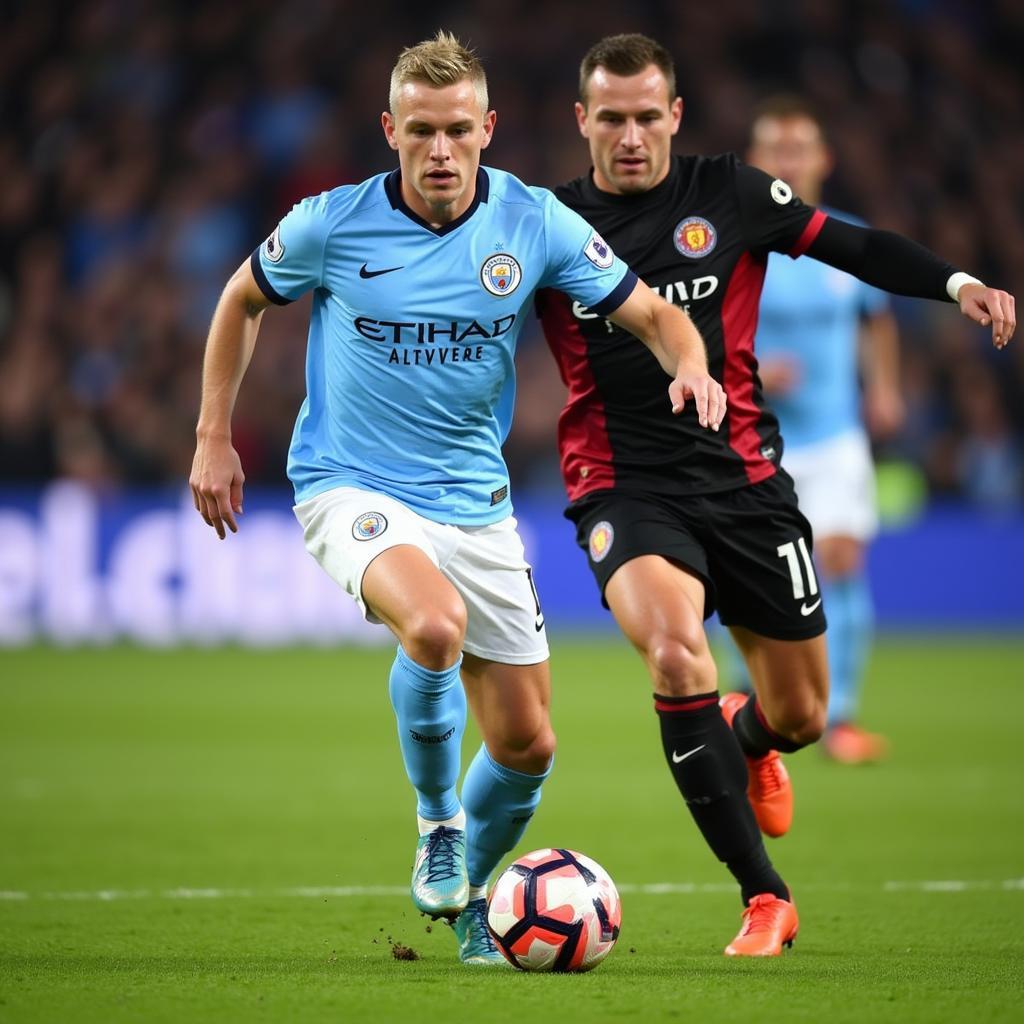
{"points": [[676, 758], [539, 623], [804, 610], [363, 272]]}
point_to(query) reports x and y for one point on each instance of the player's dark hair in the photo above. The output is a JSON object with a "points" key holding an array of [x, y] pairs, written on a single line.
{"points": [[627, 54], [783, 105]]}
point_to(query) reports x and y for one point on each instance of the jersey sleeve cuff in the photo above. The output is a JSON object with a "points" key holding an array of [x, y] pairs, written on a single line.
{"points": [[264, 282], [956, 282], [810, 232], [617, 296]]}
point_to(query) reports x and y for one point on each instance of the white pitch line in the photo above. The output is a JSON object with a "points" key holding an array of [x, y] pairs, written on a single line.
{"points": [[349, 891]]}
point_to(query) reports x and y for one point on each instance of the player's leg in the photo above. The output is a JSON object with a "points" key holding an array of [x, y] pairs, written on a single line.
{"points": [[378, 551], [769, 597], [502, 788], [851, 625], [788, 709], [505, 672], [659, 607], [652, 573], [637, 550], [835, 482], [408, 593]]}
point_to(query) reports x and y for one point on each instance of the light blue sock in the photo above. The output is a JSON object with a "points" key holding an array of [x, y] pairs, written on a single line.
{"points": [[431, 711], [499, 803], [850, 627]]}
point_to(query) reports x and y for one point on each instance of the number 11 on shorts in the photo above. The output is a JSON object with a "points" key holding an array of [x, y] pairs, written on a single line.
{"points": [[796, 571]]}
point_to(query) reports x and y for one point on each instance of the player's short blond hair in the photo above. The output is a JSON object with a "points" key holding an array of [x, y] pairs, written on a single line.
{"points": [[440, 61]]}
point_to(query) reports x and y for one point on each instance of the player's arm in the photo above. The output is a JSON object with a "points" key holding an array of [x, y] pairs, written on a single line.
{"points": [[890, 261], [880, 370], [676, 343], [216, 479]]}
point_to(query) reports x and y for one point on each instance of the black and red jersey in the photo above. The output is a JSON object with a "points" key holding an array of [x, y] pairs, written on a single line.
{"points": [[701, 240]]}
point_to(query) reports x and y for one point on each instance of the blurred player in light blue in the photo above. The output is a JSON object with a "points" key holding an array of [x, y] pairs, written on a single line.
{"points": [[828, 348], [421, 280]]}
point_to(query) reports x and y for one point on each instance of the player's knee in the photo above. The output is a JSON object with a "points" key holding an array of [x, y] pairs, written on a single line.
{"points": [[433, 637], [680, 663], [801, 721], [525, 750]]}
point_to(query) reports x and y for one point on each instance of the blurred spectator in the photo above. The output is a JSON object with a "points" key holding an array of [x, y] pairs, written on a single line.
{"points": [[147, 148]]}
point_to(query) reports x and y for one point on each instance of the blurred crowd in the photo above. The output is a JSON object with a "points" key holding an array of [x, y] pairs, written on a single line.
{"points": [[146, 148]]}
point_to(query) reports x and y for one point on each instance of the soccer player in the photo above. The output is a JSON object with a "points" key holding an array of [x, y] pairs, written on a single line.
{"points": [[815, 323], [421, 279], [677, 521]]}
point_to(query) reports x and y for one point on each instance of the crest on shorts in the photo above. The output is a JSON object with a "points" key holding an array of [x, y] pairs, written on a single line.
{"points": [[273, 248], [602, 536], [695, 237], [369, 525], [501, 274]]}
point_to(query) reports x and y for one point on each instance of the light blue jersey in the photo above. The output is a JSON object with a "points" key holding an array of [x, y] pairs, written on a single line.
{"points": [[409, 366], [810, 314]]}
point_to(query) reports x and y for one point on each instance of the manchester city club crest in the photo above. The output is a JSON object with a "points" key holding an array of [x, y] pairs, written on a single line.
{"points": [[695, 237], [602, 536], [501, 274], [369, 525]]}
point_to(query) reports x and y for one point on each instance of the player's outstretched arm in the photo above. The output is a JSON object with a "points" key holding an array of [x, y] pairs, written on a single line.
{"points": [[671, 335], [216, 479], [890, 261]]}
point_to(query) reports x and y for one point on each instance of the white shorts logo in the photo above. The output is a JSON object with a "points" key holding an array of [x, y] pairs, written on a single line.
{"points": [[781, 192], [501, 274], [273, 247], [602, 536], [599, 252], [369, 525]]}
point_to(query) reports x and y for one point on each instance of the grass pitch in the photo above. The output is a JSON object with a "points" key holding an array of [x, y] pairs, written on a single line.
{"points": [[227, 835]]}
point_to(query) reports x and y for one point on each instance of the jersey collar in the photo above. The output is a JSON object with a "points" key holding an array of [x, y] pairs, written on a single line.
{"points": [[393, 188]]}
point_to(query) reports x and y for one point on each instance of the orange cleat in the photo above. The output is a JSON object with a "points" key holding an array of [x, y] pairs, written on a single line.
{"points": [[768, 924], [849, 744], [769, 790]]}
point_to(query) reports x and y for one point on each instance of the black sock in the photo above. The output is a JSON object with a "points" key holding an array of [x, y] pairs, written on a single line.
{"points": [[756, 737], [711, 773]]}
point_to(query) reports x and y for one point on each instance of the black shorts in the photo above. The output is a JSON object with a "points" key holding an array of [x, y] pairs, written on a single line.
{"points": [[750, 546]]}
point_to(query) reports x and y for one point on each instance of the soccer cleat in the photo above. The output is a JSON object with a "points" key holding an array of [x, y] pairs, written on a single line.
{"points": [[768, 924], [440, 886], [849, 744], [769, 790], [475, 943]]}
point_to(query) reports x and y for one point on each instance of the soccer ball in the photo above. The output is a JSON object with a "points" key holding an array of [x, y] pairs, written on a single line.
{"points": [[554, 910]]}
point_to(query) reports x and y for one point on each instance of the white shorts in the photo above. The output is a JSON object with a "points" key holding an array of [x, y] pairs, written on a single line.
{"points": [[347, 528], [835, 485]]}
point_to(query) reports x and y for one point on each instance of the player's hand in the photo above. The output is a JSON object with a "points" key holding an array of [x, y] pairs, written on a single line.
{"points": [[706, 392], [990, 305], [216, 483]]}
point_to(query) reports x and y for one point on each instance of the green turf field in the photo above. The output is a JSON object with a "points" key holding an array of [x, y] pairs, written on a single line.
{"points": [[225, 835]]}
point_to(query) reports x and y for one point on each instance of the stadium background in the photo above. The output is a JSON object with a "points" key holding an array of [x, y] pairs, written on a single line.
{"points": [[198, 833], [146, 148]]}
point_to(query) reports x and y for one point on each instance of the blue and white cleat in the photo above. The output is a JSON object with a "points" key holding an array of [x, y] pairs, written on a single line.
{"points": [[440, 886], [476, 946]]}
